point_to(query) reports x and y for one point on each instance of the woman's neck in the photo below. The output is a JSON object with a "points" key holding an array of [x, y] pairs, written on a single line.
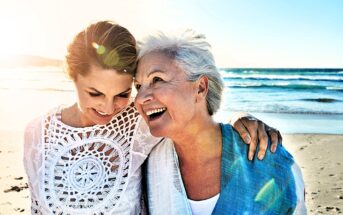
{"points": [[199, 154], [72, 116], [203, 142]]}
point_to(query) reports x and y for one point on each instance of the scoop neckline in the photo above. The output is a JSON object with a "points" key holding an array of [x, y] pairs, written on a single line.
{"points": [[204, 200]]}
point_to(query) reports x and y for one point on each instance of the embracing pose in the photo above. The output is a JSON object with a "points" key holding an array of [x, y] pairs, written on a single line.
{"points": [[87, 158]]}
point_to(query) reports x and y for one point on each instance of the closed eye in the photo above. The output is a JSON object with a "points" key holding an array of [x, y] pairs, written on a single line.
{"points": [[125, 95], [94, 94]]}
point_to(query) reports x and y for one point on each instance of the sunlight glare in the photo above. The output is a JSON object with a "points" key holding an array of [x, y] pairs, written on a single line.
{"points": [[9, 38], [20, 33]]}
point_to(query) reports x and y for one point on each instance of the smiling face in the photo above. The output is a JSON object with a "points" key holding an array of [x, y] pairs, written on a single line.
{"points": [[166, 99], [102, 93]]}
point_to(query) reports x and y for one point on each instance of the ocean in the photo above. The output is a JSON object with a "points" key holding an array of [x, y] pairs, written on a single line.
{"points": [[292, 100], [298, 91]]}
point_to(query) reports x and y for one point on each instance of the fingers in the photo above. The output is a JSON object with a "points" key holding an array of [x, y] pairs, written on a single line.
{"points": [[251, 125], [263, 138], [243, 132], [254, 132], [274, 139], [275, 136]]}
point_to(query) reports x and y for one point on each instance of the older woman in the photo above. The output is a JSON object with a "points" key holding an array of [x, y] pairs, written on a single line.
{"points": [[200, 168]]}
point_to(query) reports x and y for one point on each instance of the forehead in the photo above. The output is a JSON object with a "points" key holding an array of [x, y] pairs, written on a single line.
{"points": [[101, 78], [156, 62]]}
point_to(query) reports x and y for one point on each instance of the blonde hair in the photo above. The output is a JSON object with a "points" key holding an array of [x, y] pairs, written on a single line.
{"points": [[104, 44]]}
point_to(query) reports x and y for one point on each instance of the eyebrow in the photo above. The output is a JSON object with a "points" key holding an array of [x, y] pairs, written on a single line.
{"points": [[93, 89], [155, 71], [150, 74], [127, 90]]}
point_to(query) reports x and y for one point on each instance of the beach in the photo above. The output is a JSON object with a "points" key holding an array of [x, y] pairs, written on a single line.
{"points": [[318, 155], [314, 137]]}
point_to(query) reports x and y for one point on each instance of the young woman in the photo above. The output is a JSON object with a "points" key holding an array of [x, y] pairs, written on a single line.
{"points": [[86, 158]]}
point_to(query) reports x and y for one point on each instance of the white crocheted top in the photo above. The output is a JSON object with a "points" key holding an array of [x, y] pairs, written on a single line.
{"points": [[91, 170]]}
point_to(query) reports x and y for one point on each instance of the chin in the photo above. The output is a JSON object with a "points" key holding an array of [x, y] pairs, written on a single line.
{"points": [[156, 132], [98, 119], [102, 122]]}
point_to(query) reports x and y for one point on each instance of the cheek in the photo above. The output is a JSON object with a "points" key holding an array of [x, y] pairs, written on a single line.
{"points": [[85, 101], [181, 104], [81, 98], [121, 103], [138, 107], [137, 104], [176, 97]]}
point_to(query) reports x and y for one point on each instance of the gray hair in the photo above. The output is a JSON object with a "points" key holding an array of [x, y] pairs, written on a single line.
{"points": [[192, 53]]}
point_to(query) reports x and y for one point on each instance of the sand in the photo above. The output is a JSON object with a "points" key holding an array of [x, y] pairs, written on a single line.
{"points": [[14, 194], [321, 162], [318, 156]]}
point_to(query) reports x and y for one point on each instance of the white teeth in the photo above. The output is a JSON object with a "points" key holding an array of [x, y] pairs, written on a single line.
{"points": [[102, 113], [155, 111]]}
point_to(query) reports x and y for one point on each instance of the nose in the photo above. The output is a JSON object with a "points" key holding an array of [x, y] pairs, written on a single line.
{"points": [[108, 106], [143, 96]]}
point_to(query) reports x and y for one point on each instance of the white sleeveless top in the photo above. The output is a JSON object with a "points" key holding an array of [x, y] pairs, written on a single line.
{"points": [[203, 207], [91, 170]]}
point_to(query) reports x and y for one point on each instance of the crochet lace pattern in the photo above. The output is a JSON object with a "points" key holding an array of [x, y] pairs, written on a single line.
{"points": [[85, 170]]}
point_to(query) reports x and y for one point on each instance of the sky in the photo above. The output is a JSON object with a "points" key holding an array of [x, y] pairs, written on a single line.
{"points": [[243, 33]]}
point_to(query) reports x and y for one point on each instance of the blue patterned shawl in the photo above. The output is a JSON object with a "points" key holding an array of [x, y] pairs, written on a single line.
{"points": [[247, 187]]}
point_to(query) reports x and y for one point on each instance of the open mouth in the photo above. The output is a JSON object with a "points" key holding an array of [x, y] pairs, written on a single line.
{"points": [[156, 113]]}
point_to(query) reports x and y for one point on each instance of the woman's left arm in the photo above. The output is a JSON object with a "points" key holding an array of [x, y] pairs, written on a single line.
{"points": [[254, 131]]}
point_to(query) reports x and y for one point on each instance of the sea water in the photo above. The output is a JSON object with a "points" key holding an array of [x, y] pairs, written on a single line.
{"points": [[292, 100]]}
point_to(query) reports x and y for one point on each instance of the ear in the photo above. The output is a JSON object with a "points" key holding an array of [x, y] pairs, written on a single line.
{"points": [[202, 88]]}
